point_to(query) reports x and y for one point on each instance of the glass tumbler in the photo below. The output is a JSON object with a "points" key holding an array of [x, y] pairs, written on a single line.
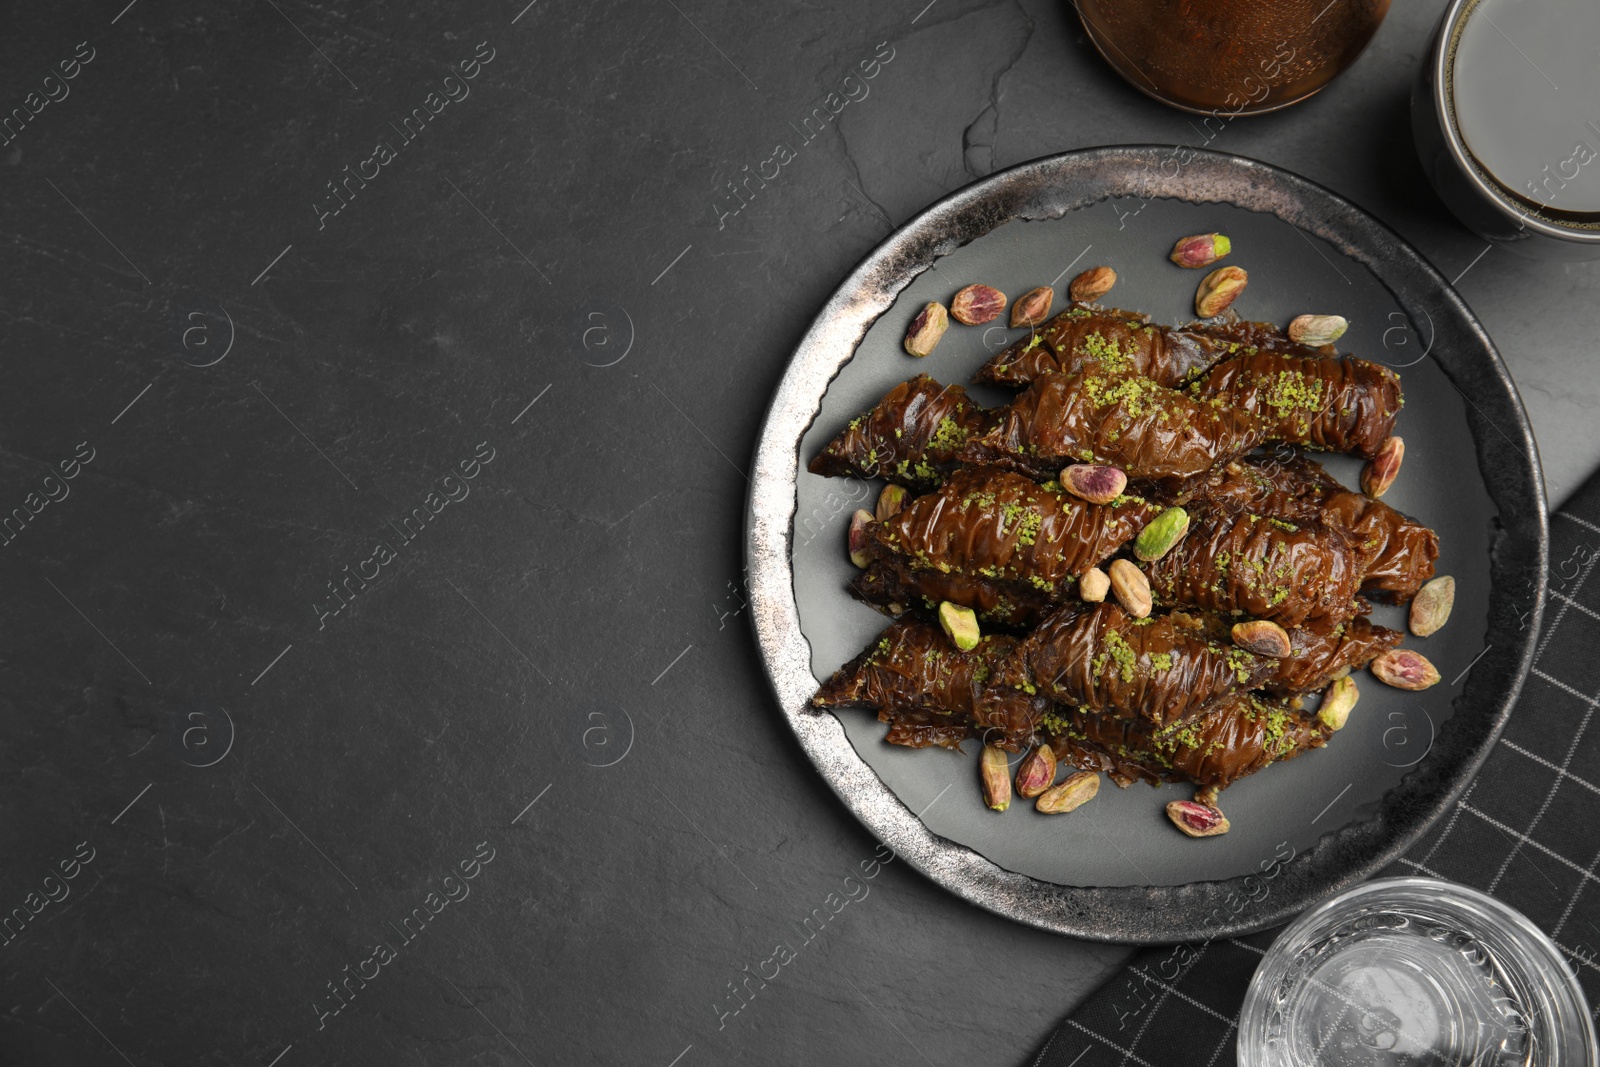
{"points": [[1405, 971]]}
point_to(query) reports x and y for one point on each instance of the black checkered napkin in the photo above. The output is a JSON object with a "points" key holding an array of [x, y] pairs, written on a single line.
{"points": [[1527, 830]]}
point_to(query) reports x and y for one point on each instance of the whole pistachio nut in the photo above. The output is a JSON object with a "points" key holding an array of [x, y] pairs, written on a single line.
{"points": [[1405, 669], [1197, 820], [1430, 608], [1092, 284], [1037, 771], [1317, 329], [1263, 637], [860, 546], [926, 329], [1200, 250], [1164, 531], [890, 501], [1092, 482], [1131, 587], [995, 772], [960, 625], [1219, 289], [1337, 701], [1075, 792], [1032, 307], [1380, 472], [977, 304], [1094, 585]]}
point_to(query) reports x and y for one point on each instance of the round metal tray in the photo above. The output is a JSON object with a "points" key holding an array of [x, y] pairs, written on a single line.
{"points": [[1116, 870]]}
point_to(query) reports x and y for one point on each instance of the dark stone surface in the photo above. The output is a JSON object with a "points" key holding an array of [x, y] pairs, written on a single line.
{"points": [[583, 599]]}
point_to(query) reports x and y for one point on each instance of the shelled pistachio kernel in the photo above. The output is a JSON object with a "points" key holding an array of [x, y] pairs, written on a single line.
{"points": [[923, 335], [1076, 791], [1337, 702], [977, 304], [1317, 330], [1380, 472], [960, 625], [1094, 585], [1200, 250], [1094, 482], [1164, 531], [1405, 669], [995, 774], [1132, 588], [890, 501], [1263, 637], [1219, 289], [1032, 307], [1037, 771], [1197, 820], [1092, 284], [1430, 608], [860, 546]]}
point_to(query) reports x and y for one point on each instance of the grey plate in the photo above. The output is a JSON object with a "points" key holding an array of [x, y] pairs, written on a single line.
{"points": [[1116, 870]]}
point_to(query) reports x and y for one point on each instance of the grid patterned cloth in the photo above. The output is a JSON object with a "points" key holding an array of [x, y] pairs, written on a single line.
{"points": [[1527, 830]]}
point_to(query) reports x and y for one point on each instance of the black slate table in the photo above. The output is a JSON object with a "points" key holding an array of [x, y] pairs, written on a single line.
{"points": [[379, 389]]}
